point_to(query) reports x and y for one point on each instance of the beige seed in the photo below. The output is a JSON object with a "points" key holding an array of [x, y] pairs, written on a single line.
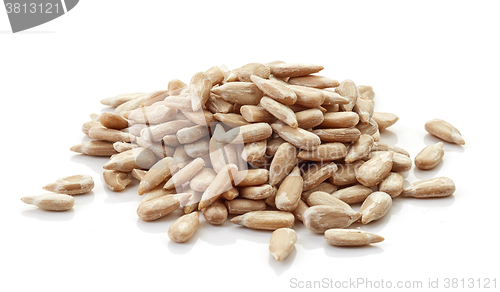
{"points": [[323, 187], [321, 198], [333, 98], [171, 140], [157, 192], [215, 74], [199, 90], [216, 213], [346, 173], [254, 151], [239, 92], [152, 115], [191, 205], [314, 81], [157, 132], [324, 152], [400, 162], [246, 134], [359, 149], [217, 104], [220, 184], [122, 146], [200, 117], [273, 144], [115, 101], [231, 120], [353, 194], [294, 69], [71, 185], [379, 146], [250, 69], [256, 114], [199, 148], [299, 138], [176, 84], [220, 153], [185, 174], [135, 129], [282, 243], [309, 118], [89, 125], [191, 134], [180, 157], [290, 191], [282, 163], [430, 188], [202, 179], [348, 89], [230, 194], [241, 206], [110, 135], [300, 210], [142, 158], [366, 91], [307, 96], [265, 220], [317, 174], [113, 121], [138, 174], [161, 206], [444, 131], [385, 120], [141, 101], [276, 90], [178, 102], [116, 180], [375, 170], [375, 207], [351, 237], [261, 192], [157, 174], [338, 135], [430, 156], [251, 177], [364, 108], [280, 111], [95, 148], [51, 202], [323, 217], [184, 228], [369, 129], [393, 184], [340, 120]]}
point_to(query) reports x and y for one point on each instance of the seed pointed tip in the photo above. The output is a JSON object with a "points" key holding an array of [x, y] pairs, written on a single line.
{"points": [[76, 148], [237, 220]]}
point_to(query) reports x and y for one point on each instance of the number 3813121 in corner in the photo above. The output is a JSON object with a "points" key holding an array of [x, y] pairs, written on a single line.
{"points": [[26, 8], [470, 283]]}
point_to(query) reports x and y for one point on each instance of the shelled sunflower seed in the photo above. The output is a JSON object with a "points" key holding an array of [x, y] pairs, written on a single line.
{"points": [[261, 145]]}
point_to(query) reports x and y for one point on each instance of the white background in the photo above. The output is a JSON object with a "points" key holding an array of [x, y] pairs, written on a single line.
{"points": [[424, 59]]}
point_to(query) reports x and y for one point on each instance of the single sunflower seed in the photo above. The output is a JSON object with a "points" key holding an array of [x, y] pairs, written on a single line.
{"points": [[71, 185], [430, 188], [430, 156], [51, 202], [184, 228], [282, 243], [351, 237], [444, 131], [376, 206]]}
